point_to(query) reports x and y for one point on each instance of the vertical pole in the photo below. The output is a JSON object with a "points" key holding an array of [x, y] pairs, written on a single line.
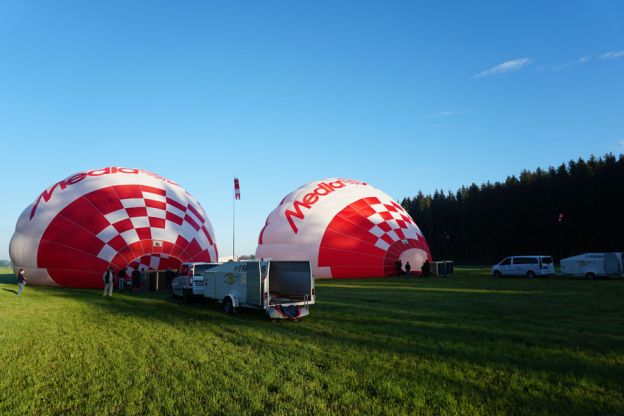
{"points": [[234, 224]]}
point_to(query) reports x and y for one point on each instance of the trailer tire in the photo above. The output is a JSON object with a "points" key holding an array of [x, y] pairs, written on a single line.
{"points": [[591, 275], [530, 274], [496, 273], [228, 306]]}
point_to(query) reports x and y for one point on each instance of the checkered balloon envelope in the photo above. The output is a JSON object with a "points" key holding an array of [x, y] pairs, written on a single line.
{"points": [[129, 218], [345, 228]]}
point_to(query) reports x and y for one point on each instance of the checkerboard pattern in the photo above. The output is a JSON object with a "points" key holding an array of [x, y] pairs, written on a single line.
{"points": [[391, 223], [156, 215], [153, 262]]}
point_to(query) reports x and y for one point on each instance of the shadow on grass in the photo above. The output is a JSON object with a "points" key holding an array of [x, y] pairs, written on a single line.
{"points": [[10, 290], [8, 279], [510, 325]]}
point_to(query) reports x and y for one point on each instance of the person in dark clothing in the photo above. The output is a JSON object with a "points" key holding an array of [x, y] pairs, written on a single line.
{"points": [[408, 268], [108, 280], [21, 281], [136, 279], [121, 276], [144, 279], [169, 276], [426, 269], [399, 268]]}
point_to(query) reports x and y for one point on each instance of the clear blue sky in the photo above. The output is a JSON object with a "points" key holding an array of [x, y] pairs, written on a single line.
{"points": [[404, 95]]}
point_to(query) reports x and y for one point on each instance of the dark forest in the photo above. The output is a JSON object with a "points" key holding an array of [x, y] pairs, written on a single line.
{"points": [[562, 211]]}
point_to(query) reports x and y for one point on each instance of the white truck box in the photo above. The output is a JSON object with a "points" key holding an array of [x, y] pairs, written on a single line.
{"points": [[593, 265], [284, 289]]}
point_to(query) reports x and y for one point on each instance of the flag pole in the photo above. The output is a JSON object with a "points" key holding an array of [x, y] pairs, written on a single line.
{"points": [[234, 222], [236, 196]]}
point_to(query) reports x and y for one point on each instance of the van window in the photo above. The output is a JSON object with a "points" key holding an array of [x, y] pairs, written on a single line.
{"points": [[525, 260], [547, 260], [506, 262]]}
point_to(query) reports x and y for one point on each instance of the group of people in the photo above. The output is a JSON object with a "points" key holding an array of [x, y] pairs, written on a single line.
{"points": [[139, 277], [399, 268]]}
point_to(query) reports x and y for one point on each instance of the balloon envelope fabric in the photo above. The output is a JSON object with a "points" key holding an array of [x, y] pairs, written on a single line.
{"points": [[345, 228], [128, 218]]}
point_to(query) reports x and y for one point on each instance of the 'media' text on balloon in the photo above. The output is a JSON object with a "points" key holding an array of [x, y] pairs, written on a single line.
{"points": [[311, 198], [74, 179]]}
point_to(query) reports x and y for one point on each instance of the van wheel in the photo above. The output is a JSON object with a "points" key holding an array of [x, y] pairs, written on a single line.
{"points": [[228, 307], [496, 273], [591, 275], [530, 274]]}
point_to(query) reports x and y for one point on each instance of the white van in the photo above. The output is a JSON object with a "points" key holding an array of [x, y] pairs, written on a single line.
{"points": [[529, 266], [190, 279]]}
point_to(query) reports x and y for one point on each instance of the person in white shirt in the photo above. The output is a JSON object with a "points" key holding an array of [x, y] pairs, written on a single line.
{"points": [[108, 278]]}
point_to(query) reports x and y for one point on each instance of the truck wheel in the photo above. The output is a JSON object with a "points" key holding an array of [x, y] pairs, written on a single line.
{"points": [[530, 274], [186, 296], [496, 273], [591, 275], [228, 307]]}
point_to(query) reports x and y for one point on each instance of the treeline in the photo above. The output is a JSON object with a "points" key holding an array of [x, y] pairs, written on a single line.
{"points": [[574, 208]]}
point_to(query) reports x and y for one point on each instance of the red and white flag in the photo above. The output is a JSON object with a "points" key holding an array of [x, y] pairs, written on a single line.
{"points": [[236, 189]]}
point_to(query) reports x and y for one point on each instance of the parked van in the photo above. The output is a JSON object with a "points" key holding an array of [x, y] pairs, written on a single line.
{"points": [[593, 265], [190, 279], [529, 266]]}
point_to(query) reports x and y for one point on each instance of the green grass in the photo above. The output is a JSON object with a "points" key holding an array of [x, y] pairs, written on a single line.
{"points": [[468, 344]]}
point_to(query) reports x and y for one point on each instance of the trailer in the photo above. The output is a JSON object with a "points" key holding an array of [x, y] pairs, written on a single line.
{"points": [[283, 289], [593, 265]]}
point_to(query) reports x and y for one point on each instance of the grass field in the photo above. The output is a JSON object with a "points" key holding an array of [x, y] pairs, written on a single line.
{"points": [[468, 344]]}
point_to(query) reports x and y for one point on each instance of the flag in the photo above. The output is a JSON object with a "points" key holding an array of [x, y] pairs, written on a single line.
{"points": [[236, 189]]}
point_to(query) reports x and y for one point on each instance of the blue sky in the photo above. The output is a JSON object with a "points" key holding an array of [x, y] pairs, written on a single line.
{"points": [[407, 96]]}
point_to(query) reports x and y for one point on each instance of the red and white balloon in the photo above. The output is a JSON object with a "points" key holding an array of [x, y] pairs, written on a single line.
{"points": [[126, 217], [346, 228]]}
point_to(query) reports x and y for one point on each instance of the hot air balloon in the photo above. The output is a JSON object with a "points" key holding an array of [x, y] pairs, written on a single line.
{"points": [[125, 217], [345, 228]]}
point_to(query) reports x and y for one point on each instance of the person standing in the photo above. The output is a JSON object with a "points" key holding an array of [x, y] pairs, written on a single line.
{"points": [[136, 280], [121, 278], [408, 268], [21, 281], [144, 282], [169, 276], [108, 279], [399, 268]]}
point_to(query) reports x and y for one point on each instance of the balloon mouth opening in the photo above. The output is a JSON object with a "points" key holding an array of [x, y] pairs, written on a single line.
{"points": [[153, 262], [416, 258]]}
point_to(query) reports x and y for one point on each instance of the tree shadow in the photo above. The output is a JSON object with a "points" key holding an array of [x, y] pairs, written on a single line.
{"points": [[8, 278], [503, 327]]}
